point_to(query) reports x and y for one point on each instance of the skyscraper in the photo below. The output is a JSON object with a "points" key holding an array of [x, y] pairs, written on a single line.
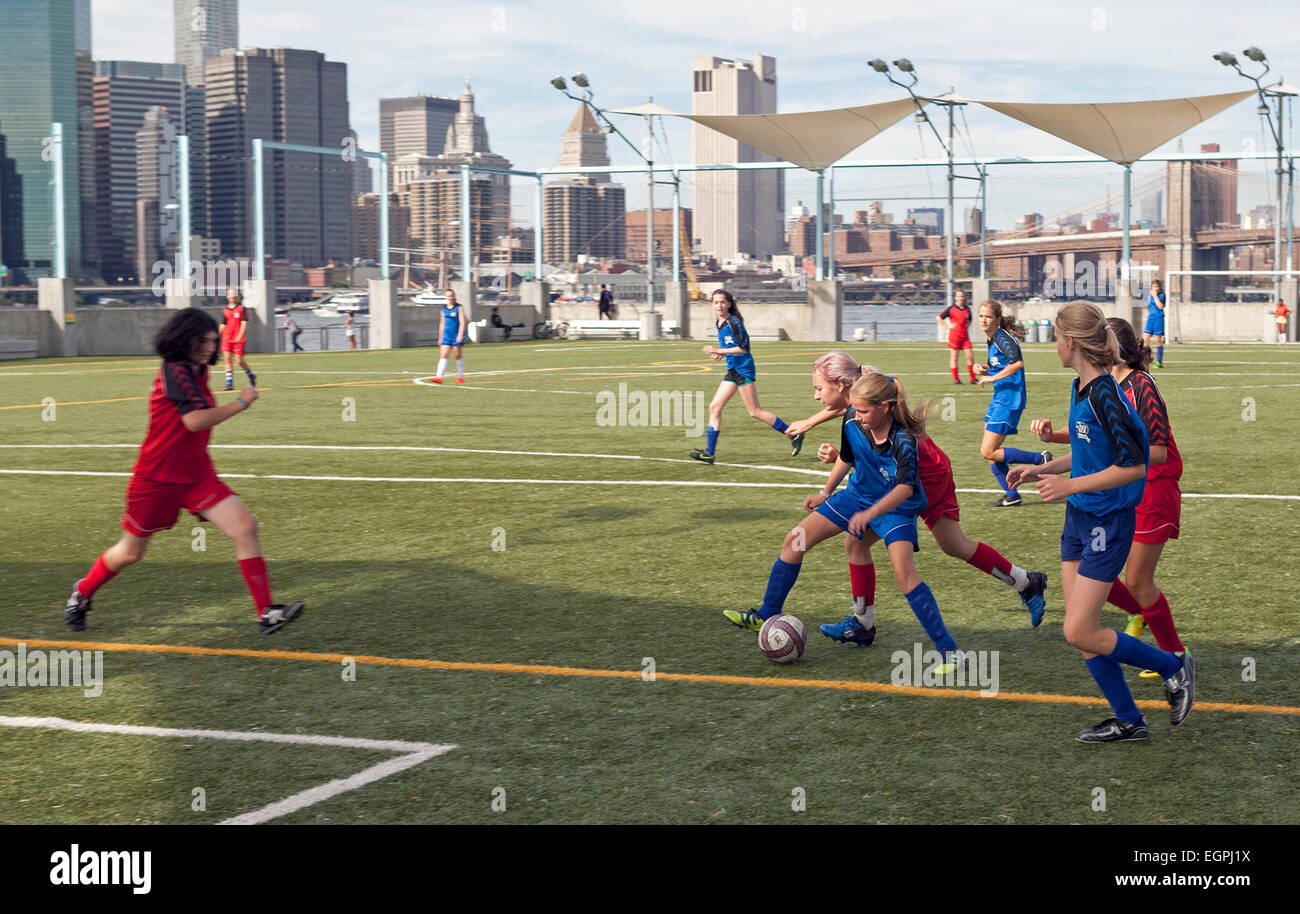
{"points": [[123, 91], [11, 211], [735, 211], [584, 214], [290, 96], [202, 29], [414, 124], [157, 226], [38, 70]]}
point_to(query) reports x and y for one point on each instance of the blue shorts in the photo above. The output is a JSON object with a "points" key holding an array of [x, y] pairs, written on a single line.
{"points": [[1098, 542], [449, 339], [1000, 420], [1155, 325], [891, 528]]}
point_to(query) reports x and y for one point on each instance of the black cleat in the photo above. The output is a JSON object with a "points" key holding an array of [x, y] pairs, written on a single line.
{"points": [[1046, 455], [1180, 690], [701, 456], [278, 615], [1006, 501], [1114, 730], [796, 444], [1032, 596], [74, 611]]}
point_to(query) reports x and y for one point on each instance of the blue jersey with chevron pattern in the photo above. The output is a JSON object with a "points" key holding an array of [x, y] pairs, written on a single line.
{"points": [[732, 334], [1105, 431], [877, 469], [1008, 393]]}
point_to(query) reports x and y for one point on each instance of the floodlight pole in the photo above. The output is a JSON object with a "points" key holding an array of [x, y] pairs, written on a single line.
{"points": [[984, 180], [819, 272], [183, 167], [60, 264], [650, 216], [1126, 253], [830, 248]]}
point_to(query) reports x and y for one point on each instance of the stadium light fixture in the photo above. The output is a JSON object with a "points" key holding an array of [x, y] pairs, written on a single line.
{"points": [[1226, 58], [1255, 54], [878, 65], [903, 64], [580, 79], [559, 83]]}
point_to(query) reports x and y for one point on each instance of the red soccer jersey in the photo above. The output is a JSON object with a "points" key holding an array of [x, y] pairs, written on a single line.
{"points": [[234, 320], [1282, 313], [171, 452], [1141, 390], [960, 318]]}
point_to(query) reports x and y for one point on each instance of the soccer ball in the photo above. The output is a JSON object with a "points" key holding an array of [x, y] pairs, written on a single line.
{"points": [[781, 639]]}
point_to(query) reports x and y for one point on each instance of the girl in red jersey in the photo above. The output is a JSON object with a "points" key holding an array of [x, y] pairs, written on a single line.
{"points": [[174, 471], [1159, 512], [958, 317], [833, 375], [234, 330]]}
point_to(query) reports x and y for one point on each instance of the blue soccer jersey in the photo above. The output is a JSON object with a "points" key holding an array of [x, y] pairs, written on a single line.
{"points": [[877, 469], [1008, 393], [732, 335], [452, 317], [1153, 309], [1105, 431]]}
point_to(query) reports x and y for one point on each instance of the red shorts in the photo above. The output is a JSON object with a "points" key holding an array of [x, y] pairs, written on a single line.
{"points": [[152, 506], [938, 485], [958, 342], [1159, 512], [234, 348]]}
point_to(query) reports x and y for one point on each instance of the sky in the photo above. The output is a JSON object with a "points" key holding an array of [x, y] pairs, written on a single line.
{"points": [[1040, 51]]}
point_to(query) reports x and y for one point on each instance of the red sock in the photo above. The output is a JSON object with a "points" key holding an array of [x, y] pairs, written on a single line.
{"points": [[1161, 624], [986, 559], [971, 369], [862, 579], [97, 577], [954, 374], [1122, 597], [259, 585]]}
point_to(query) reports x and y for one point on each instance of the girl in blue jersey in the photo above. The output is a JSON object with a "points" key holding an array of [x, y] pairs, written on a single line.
{"points": [[733, 345], [1006, 369], [878, 442], [1107, 462], [1154, 331], [452, 327]]}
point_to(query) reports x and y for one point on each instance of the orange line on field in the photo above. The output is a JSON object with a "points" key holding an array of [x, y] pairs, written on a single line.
{"points": [[70, 403], [843, 685]]}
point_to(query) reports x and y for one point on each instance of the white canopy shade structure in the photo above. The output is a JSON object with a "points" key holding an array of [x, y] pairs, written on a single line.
{"points": [[1120, 131]]}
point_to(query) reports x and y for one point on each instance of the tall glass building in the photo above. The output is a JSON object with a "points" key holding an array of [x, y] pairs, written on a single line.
{"points": [[38, 87]]}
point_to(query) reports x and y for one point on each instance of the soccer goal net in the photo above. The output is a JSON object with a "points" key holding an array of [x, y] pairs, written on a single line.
{"points": [[1238, 306]]}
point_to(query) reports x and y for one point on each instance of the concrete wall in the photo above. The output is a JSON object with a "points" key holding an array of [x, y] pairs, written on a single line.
{"points": [[412, 318], [29, 324], [1191, 322]]}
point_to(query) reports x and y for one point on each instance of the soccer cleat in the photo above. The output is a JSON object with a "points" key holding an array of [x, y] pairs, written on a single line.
{"points": [[796, 444], [744, 618], [1160, 364], [956, 380], [460, 380], [74, 611], [278, 615], [1046, 455], [1135, 625], [252, 379], [1032, 596], [437, 380], [1180, 690], [849, 631], [229, 386], [1114, 730], [951, 661], [1006, 501], [701, 456]]}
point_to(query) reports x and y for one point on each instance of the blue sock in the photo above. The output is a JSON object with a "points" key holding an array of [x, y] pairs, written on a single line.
{"points": [[1012, 455], [1111, 679], [1138, 653], [712, 439], [927, 611], [1000, 474], [779, 426], [779, 583], [1160, 353]]}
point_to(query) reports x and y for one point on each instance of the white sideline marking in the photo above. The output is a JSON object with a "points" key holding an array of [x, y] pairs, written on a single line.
{"points": [[584, 482], [1243, 387], [412, 754]]}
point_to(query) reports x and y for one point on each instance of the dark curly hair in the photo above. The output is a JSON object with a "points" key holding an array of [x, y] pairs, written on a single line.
{"points": [[1131, 351], [178, 340]]}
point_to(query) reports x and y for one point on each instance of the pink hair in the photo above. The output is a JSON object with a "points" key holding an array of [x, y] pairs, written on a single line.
{"points": [[840, 368]]}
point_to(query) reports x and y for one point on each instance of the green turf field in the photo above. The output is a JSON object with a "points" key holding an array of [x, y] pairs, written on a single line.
{"points": [[412, 537]]}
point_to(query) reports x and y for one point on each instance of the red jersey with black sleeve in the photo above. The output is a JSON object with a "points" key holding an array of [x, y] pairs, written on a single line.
{"points": [[171, 452], [233, 319], [1140, 388], [960, 320]]}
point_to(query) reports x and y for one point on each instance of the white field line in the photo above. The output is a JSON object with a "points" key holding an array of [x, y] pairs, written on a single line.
{"points": [[1243, 387], [411, 754]]}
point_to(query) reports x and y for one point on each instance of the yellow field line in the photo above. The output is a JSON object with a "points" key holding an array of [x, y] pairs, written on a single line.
{"points": [[543, 670]]}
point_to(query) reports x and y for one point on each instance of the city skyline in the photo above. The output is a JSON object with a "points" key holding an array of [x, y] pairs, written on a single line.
{"points": [[1077, 54]]}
